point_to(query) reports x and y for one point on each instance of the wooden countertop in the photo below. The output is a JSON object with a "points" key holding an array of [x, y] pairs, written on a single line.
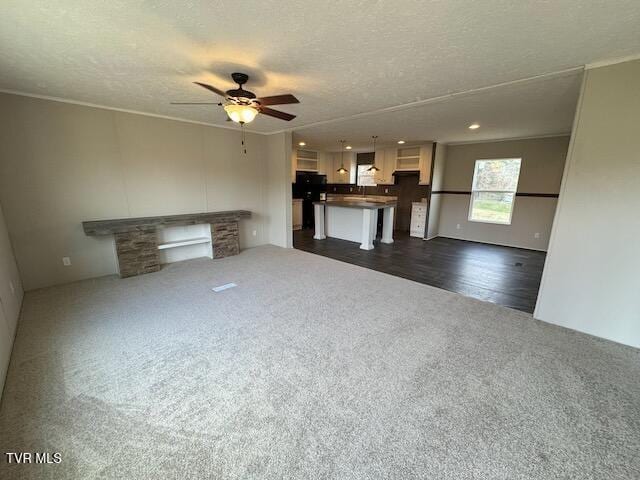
{"points": [[358, 204]]}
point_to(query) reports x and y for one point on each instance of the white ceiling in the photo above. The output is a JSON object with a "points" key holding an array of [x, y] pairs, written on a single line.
{"points": [[340, 59], [525, 109]]}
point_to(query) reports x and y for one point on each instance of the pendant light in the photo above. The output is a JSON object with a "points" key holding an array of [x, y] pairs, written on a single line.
{"points": [[373, 167], [342, 170]]}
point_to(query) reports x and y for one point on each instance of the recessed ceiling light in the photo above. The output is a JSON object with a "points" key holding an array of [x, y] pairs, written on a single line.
{"points": [[473, 126], [348, 147], [401, 142], [302, 144]]}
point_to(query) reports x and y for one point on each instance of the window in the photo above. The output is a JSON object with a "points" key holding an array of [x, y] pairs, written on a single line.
{"points": [[494, 190], [366, 177]]}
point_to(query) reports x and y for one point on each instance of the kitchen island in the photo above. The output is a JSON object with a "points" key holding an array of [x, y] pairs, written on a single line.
{"points": [[354, 219]]}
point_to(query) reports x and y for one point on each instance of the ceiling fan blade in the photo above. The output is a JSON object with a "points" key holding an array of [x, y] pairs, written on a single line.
{"points": [[195, 103], [215, 90], [276, 113], [278, 99]]}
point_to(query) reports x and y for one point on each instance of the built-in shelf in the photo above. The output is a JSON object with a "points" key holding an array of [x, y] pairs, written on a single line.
{"points": [[307, 160], [184, 243], [408, 158]]}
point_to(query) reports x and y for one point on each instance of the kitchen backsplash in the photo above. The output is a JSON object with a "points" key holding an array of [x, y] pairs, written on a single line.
{"points": [[391, 190]]}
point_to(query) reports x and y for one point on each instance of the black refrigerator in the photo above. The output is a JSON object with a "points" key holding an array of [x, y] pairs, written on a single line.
{"points": [[308, 187]]}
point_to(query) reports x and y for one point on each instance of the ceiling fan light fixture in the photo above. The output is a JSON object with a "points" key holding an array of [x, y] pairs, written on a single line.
{"points": [[240, 113]]}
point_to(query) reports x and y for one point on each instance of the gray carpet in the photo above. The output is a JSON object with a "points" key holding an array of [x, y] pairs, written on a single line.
{"points": [[309, 369]]}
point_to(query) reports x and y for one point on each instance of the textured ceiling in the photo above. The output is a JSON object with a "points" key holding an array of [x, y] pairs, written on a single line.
{"points": [[340, 58], [526, 109]]}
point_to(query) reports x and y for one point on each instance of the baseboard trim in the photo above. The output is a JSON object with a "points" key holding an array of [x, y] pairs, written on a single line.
{"points": [[490, 243]]}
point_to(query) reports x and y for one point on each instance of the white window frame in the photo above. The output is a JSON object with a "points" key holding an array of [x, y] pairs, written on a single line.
{"points": [[475, 190], [358, 177]]}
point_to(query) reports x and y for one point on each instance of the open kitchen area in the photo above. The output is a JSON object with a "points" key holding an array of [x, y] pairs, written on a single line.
{"points": [[372, 208]]}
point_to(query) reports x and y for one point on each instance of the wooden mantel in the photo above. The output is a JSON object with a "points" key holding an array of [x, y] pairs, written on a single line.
{"points": [[121, 225], [137, 238]]}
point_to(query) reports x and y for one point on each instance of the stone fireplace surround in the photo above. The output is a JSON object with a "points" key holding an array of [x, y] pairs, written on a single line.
{"points": [[136, 239]]}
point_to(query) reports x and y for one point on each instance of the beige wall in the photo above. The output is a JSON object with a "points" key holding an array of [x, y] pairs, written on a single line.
{"points": [[541, 172], [436, 185], [591, 278], [61, 164], [10, 299], [279, 189]]}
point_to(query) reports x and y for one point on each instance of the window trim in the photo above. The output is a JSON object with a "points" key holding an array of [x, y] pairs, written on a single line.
{"points": [[474, 191]]}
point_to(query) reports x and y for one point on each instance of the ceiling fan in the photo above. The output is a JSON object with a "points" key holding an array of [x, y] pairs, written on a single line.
{"points": [[242, 106]]}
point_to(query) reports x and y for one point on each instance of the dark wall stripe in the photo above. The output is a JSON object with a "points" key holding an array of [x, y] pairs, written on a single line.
{"points": [[544, 195], [518, 194], [451, 192]]}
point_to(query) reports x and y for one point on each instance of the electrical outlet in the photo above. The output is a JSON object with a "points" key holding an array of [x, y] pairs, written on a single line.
{"points": [[351, 189], [536, 235], [458, 226], [386, 190], [254, 232], [66, 261]]}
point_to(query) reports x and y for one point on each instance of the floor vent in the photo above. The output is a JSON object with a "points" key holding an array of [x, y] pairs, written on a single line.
{"points": [[224, 287]]}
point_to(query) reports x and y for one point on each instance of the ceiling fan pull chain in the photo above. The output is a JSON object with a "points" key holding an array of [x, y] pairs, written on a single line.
{"points": [[244, 148]]}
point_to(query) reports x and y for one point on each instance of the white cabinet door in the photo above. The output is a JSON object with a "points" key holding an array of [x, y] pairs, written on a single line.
{"points": [[383, 162], [328, 166], [379, 163], [425, 163], [351, 164], [322, 163], [389, 166]]}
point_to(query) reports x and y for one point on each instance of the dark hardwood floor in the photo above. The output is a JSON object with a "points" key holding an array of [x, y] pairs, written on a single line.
{"points": [[503, 275]]}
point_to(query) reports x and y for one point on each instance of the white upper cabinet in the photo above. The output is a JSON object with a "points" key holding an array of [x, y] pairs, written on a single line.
{"points": [[408, 158], [330, 171], [306, 160], [411, 158], [426, 152], [312, 161], [322, 163], [386, 162]]}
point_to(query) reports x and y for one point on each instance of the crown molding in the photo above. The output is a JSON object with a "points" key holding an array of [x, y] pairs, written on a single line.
{"points": [[612, 61], [405, 106], [511, 139], [123, 110]]}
